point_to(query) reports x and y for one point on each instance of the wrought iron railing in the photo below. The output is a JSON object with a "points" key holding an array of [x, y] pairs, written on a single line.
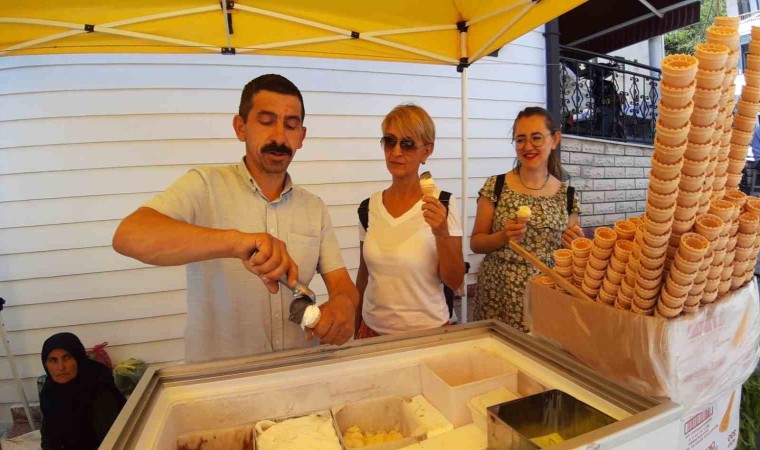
{"points": [[610, 98]]}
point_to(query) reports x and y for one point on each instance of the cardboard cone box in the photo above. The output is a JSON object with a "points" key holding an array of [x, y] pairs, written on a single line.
{"points": [[688, 359]]}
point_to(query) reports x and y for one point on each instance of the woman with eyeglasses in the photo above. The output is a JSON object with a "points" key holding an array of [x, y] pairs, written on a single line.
{"points": [[412, 242], [554, 220]]}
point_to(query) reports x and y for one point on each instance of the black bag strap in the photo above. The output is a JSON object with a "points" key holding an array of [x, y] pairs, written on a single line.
{"points": [[444, 198], [570, 198], [363, 209], [498, 187], [363, 212]]}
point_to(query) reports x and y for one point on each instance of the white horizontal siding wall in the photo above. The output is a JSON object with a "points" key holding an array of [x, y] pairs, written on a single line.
{"points": [[85, 139]]}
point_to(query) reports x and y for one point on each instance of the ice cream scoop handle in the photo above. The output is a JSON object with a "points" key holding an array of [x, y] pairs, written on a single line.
{"points": [[299, 290]]}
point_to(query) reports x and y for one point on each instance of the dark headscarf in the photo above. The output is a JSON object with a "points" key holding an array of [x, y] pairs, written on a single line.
{"points": [[67, 409]]}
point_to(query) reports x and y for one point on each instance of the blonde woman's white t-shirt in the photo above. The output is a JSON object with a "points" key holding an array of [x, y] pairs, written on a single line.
{"points": [[404, 291]]}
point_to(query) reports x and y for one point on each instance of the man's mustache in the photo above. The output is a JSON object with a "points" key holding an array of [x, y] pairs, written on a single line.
{"points": [[277, 148]]}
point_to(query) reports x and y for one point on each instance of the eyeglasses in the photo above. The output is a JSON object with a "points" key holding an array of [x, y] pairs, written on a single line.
{"points": [[536, 140], [389, 143]]}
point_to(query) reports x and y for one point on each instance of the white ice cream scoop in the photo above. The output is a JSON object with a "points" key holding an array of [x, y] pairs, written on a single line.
{"points": [[311, 316]]}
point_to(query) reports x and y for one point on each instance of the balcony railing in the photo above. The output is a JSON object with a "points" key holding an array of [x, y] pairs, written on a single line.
{"points": [[610, 98]]}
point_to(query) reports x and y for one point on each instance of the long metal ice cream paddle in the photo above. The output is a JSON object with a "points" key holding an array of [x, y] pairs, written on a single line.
{"points": [[548, 271]]}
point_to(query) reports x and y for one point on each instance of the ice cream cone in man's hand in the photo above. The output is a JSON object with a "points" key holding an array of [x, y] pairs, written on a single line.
{"points": [[570, 234]]}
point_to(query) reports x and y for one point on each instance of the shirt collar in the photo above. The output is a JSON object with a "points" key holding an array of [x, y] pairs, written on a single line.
{"points": [[243, 171]]}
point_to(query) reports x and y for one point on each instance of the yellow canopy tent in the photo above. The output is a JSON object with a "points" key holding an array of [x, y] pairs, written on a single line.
{"points": [[426, 31]]}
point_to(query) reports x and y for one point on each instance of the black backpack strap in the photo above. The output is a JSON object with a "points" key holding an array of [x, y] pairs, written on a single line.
{"points": [[363, 212], [444, 198], [498, 187], [570, 198]]}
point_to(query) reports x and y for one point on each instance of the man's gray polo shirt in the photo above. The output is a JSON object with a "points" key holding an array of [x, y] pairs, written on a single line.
{"points": [[229, 310]]}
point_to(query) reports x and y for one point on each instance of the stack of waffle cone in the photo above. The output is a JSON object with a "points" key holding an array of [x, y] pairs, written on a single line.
{"points": [[726, 211], [601, 252], [741, 240], [752, 209], [645, 266], [699, 169], [545, 281], [747, 109], [625, 230], [663, 199], [625, 295], [710, 227], [563, 264], [744, 122], [676, 107], [676, 294], [613, 278], [691, 166], [581, 253]]}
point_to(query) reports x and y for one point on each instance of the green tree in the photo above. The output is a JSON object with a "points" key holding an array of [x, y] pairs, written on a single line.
{"points": [[683, 40]]}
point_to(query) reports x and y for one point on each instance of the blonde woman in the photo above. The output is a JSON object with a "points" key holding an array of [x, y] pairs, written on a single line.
{"points": [[411, 242], [535, 183]]}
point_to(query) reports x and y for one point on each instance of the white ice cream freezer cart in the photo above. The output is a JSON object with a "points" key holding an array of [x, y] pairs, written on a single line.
{"points": [[440, 372]]}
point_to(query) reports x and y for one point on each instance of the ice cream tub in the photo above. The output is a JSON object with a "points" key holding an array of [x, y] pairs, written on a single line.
{"points": [[233, 438], [316, 431], [385, 423]]}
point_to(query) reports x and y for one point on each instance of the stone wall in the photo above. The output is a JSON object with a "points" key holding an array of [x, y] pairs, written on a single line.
{"points": [[611, 178]]}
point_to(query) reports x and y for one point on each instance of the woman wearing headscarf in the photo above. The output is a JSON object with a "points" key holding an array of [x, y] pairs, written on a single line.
{"points": [[79, 400]]}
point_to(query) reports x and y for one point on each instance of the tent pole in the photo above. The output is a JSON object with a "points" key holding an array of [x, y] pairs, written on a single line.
{"points": [[463, 53], [465, 240], [14, 370]]}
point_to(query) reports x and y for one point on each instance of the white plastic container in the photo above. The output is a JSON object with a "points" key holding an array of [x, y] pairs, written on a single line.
{"points": [[449, 381], [432, 422], [479, 404]]}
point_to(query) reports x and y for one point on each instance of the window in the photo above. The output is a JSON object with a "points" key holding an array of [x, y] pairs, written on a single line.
{"points": [[744, 7]]}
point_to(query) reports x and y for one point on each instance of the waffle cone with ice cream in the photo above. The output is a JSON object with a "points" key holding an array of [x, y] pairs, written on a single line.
{"points": [[427, 184]]}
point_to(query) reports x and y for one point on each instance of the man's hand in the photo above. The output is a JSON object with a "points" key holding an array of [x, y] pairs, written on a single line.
{"points": [[570, 234], [435, 215], [336, 325], [267, 257], [514, 230]]}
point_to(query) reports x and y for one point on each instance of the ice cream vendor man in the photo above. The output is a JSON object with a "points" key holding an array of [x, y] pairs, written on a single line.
{"points": [[239, 228]]}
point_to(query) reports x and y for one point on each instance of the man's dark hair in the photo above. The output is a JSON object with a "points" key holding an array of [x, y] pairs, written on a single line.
{"points": [[270, 82]]}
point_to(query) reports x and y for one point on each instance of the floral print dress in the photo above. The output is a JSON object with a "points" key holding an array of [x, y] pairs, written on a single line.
{"points": [[504, 274]]}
